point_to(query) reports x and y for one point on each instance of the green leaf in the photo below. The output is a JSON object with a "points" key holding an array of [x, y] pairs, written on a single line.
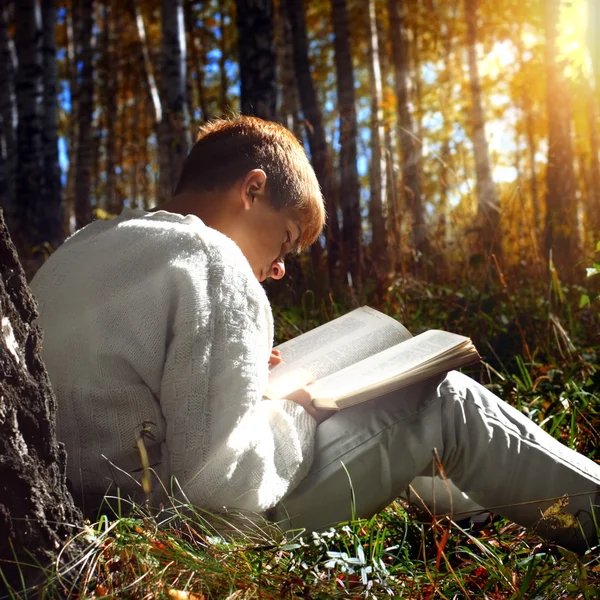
{"points": [[584, 300], [598, 247]]}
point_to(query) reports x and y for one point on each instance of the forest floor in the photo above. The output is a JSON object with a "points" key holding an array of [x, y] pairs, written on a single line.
{"points": [[541, 351]]}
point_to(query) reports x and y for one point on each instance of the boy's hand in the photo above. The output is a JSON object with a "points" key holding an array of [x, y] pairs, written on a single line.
{"points": [[304, 397], [275, 357]]}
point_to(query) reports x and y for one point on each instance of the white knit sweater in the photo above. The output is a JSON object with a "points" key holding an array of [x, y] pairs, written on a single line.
{"points": [[154, 319]]}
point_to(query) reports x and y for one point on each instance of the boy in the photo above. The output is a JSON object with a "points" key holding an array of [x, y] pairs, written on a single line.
{"points": [[159, 319]]}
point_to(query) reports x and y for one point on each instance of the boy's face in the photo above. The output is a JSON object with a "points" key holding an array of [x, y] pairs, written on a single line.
{"points": [[269, 235], [263, 233]]}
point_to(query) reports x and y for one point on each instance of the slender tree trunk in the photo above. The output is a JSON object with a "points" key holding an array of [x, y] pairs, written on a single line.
{"points": [[315, 131], [411, 147], [377, 171], [561, 230], [531, 151], [51, 215], [112, 70], [85, 149], [594, 209], [349, 186], [148, 68], [390, 159], [173, 128], [30, 98], [256, 48], [223, 78], [488, 207], [196, 66], [8, 113], [289, 110], [37, 513], [73, 22]]}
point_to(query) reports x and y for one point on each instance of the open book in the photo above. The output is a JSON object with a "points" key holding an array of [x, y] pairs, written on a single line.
{"points": [[363, 355]]}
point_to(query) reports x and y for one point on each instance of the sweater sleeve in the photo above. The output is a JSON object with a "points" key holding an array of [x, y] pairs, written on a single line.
{"points": [[225, 446]]}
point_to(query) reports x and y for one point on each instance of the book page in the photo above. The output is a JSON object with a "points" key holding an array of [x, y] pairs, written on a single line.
{"points": [[413, 355], [334, 346]]}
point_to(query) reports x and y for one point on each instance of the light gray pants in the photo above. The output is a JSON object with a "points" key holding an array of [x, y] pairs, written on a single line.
{"points": [[494, 454]]}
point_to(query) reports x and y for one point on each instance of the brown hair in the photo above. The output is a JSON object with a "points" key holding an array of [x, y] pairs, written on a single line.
{"points": [[227, 149]]}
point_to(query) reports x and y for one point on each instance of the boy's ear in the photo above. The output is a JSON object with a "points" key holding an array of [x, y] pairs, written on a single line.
{"points": [[253, 186]]}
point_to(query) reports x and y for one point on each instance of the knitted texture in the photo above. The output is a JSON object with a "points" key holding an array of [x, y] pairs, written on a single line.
{"points": [[156, 321]]}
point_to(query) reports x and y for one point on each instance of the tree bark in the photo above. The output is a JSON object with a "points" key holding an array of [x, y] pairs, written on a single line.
{"points": [[173, 128], [561, 231], [315, 132], [51, 212], [85, 146], [289, 106], [72, 25], [488, 207], [8, 113], [111, 68], [30, 98], [594, 209], [37, 513], [196, 70], [256, 49], [349, 186], [223, 78], [411, 147], [377, 172]]}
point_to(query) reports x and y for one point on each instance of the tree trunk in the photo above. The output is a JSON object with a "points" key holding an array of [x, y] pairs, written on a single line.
{"points": [[377, 172], [112, 69], [85, 147], [411, 147], [349, 186], [289, 109], [196, 69], [315, 132], [391, 162], [488, 207], [37, 513], [173, 128], [72, 25], [256, 49], [8, 113], [30, 98], [561, 230], [223, 79], [51, 212], [594, 209]]}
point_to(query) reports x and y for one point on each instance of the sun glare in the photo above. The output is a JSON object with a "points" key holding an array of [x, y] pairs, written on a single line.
{"points": [[572, 32]]}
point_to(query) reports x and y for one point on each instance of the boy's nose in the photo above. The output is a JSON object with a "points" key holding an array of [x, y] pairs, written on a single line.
{"points": [[277, 269]]}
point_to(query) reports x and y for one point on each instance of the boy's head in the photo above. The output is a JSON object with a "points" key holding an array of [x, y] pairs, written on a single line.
{"points": [[264, 167]]}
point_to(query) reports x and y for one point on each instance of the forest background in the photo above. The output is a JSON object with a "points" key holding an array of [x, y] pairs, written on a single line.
{"points": [[456, 144]]}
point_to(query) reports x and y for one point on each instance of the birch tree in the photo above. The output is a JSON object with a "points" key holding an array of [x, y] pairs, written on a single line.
{"points": [[315, 131], [174, 127], [560, 228], [409, 142], [488, 207], [349, 186], [377, 172]]}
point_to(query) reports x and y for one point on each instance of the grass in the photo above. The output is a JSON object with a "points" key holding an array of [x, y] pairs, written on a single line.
{"points": [[179, 553], [176, 555]]}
